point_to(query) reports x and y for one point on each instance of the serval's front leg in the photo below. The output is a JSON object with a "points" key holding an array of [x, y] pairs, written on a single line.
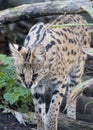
{"points": [[57, 97], [40, 107]]}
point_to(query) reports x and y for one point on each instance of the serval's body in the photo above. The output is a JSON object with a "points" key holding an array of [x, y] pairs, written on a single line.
{"points": [[52, 57]]}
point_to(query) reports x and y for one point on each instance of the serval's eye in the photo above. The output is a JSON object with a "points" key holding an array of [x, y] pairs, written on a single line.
{"points": [[34, 77]]}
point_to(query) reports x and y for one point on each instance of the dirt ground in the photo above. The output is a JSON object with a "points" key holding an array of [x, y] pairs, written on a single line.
{"points": [[8, 122]]}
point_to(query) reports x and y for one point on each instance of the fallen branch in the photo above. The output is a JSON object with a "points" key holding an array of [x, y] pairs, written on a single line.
{"points": [[29, 11], [64, 123], [70, 124]]}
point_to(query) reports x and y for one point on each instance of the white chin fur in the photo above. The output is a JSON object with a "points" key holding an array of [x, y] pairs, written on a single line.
{"points": [[33, 87]]}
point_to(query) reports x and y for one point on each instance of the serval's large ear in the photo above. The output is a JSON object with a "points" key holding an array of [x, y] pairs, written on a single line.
{"points": [[39, 52], [17, 50]]}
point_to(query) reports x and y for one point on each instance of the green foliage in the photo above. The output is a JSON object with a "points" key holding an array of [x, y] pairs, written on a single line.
{"points": [[71, 25], [11, 93]]}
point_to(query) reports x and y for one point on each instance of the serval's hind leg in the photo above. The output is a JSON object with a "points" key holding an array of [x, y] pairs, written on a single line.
{"points": [[75, 78]]}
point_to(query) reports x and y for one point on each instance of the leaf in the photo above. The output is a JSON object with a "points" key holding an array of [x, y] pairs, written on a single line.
{"points": [[22, 91], [5, 59], [12, 93], [1, 106], [11, 97], [16, 93], [11, 82], [23, 108], [2, 80]]}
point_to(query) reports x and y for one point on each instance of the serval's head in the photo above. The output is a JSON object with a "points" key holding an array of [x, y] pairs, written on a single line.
{"points": [[30, 64]]}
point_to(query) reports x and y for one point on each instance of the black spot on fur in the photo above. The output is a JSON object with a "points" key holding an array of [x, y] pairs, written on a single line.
{"points": [[64, 29], [39, 110], [21, 75], [85, 42], [76, 76], [44, 35], [70, 40], [53, 36], [52, 100], [54, 79], [74, 41], [40, 27], [27, 55], [65, 36], [63, 86], [53, 53], [58, 48], [71, 85], [61, 33], [58, 41], [61, 94], [33, 28], [69, 30], [51, 59], [55, 92], [58, 83], [65, 49], [59, 103], [72, 52], [36, 95], [50, 45], [34, 77], [42, 100], [58, 33], [68, 53], [28, 38], [39, 96], [19, 48]]}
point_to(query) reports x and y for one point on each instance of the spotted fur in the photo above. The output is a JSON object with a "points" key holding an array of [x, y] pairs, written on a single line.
{"points": [[52, 57]]}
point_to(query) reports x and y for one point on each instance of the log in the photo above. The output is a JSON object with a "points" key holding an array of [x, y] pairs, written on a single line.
{"points": [[20, 2], [29, 11], [65, 123]]}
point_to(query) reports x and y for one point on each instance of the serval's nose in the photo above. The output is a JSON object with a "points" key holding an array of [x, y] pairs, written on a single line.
{"points": [[28, 84]]}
